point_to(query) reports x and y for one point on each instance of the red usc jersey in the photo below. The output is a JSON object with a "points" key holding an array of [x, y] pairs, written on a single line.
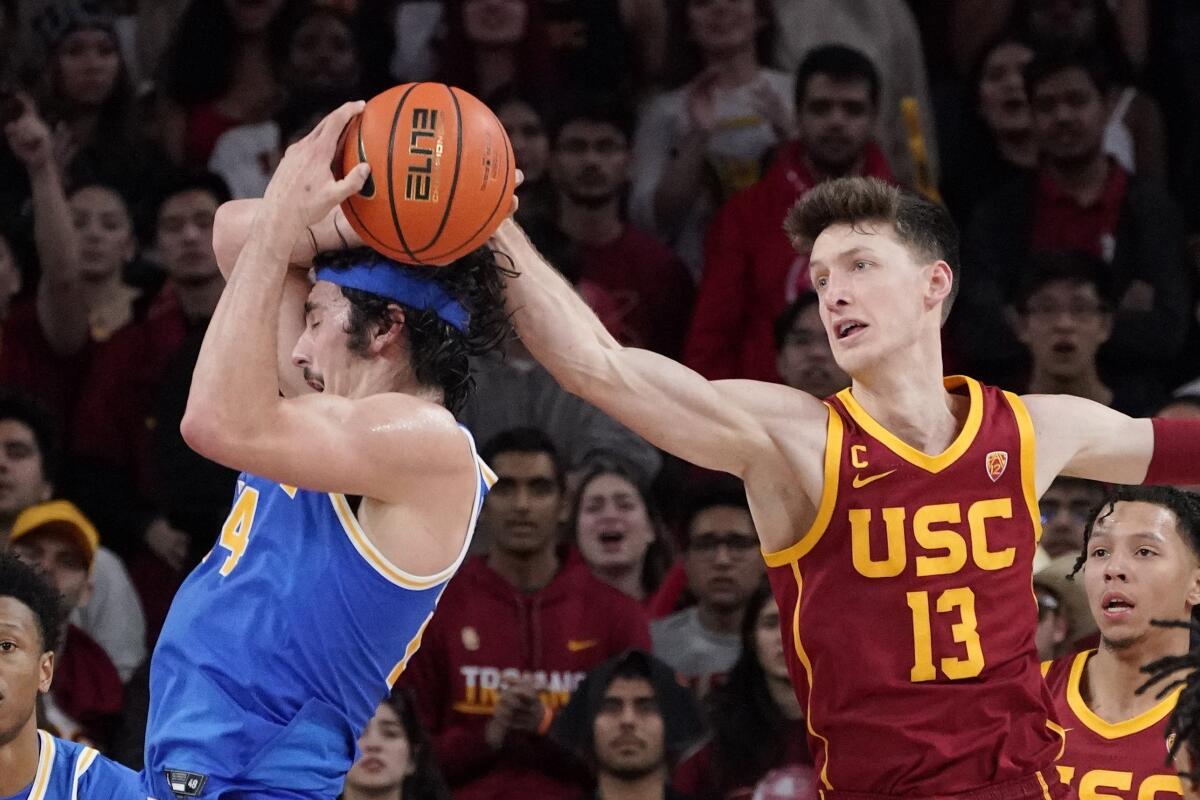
{"points": [[1110, 761], [908, 611]]}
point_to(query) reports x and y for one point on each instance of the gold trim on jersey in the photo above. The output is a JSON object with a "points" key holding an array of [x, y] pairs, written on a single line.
{"points": [[803, 656], [1028, 460], [1045, 788], [413, 645], [1112, 730], [41, 778], [85, 759], [829, 491], [1046, 668], [911, 454]]}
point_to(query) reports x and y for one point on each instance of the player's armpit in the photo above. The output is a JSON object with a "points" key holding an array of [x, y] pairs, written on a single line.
{"points": [[369, 446], [1084, 439]]}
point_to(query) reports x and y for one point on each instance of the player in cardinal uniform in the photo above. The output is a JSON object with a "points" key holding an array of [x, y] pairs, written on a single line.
{"points": [[899, 519], [1141, 562]]}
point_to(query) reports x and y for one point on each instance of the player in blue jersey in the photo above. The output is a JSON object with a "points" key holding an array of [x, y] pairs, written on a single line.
{"points": [[280, 645], [33, 764]]}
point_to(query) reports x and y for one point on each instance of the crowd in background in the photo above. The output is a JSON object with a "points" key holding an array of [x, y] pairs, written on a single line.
{"points": [[662, 142]]}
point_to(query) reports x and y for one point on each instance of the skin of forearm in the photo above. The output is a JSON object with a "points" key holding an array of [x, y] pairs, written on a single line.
{"points": [[62, 305], [681, 181], [235, 223]]}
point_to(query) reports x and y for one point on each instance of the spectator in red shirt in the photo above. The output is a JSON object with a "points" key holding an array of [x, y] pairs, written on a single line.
{"points": [[805, 359], [85, 699], [514, 634], [638, 288], [759, 741], [619, 531], [1079, 198], [751, 270]]}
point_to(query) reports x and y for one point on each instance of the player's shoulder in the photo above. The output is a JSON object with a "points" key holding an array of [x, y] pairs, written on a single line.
{"points": [[106, 779]]}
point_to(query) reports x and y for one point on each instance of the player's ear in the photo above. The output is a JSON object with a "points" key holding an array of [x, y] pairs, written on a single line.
{"points": [[391, 334], [941, 281], [1193, 595], [46, 671]]}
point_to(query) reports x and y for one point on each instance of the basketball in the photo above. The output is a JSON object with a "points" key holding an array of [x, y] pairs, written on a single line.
{"points": [[442, 173]]}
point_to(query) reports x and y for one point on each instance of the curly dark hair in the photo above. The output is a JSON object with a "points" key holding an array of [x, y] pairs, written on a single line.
{"points": [[425, 781], [26, 585], [1183, 729], [439, 350]]}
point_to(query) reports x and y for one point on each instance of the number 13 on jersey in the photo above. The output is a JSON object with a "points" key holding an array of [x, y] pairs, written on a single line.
{"points": [[235, 533], [964, 631]]}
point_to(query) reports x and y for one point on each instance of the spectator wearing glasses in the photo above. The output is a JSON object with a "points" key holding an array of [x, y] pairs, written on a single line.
{"points": [[702, 642], [1064, 315], [1066, 508]]}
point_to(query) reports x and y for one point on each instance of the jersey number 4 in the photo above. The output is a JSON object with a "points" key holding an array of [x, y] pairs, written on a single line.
{"points": [[235, 534], [964, 631]]}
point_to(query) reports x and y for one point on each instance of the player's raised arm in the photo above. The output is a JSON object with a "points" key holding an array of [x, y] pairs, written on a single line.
{"points": [[1084, 439], [717, 425], [357, 440]]}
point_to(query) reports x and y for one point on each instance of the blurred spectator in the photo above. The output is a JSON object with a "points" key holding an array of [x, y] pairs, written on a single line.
{"points": [[701, 643], [759, 736], [996, 142], [219, 74], [708, 138], [1064, 314], [396, 759], [28, 467], [524, 120], [804, 357], [9, 26], [514, 634], [1078, 199], [1064, 620], [602, 45], [619, 531], [514, 391], [638, 288], [1066, 508], [320, 64], [886, 32], [751, 270], [495, 43], [632, 722], [10, 281], [85, 697]]}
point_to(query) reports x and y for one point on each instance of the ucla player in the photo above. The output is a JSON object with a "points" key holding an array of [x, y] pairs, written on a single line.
{"points": [[279, 647], [1140, 563], [899, 518], [33, 764]]}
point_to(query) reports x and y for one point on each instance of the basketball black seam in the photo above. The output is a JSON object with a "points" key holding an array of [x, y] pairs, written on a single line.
{"points": [[379, 243], [508, 156], [392, 176], [454, 184]]}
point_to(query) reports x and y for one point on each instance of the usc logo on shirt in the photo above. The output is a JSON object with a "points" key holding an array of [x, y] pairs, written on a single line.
{"points": [[482, 687]]}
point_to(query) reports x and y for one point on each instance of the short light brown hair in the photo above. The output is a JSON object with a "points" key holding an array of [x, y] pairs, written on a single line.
{"points": [[925, 228]]}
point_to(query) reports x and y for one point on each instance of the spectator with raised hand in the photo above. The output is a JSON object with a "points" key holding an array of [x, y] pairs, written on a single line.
{"points": [[885, 31], [751, 271], [631, 721], [619, 531], [395, 757], [514, 634], [1079, 198], [709, 136], [10, 280], [219, 74], [759, 740], [724, 567]]}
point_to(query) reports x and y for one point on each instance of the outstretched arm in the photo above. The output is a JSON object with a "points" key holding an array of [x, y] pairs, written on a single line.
{"points": [[1087, 440], [718, 425]]}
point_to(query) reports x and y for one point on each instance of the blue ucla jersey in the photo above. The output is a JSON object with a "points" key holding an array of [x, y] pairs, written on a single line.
{"points": [[281, 644], [70, 771]]}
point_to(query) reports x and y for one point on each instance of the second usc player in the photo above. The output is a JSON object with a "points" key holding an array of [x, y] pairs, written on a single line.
{"points": [[1141, 562]]}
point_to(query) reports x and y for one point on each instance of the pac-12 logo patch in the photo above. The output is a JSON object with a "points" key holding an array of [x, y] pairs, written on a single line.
{"points": [[184, 783], [996, 462]]}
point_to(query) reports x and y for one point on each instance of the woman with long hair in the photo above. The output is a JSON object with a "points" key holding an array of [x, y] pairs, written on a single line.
{"points": [[618, 530], [710, 135], [495, 43], [396, 760], [757, 722]]}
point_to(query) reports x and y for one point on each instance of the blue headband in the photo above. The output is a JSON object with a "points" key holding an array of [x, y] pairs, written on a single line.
{"points": [[401, 284]]}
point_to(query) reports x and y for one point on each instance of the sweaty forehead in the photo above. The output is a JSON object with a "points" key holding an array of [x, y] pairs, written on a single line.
{"points": [[325, 294]]}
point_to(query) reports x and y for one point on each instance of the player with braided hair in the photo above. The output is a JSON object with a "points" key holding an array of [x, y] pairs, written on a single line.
{"points": [[1140, 565], [1181, 674]]}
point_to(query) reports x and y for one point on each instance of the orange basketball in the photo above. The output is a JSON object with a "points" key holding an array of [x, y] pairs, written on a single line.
{"points": [[442, 173]]}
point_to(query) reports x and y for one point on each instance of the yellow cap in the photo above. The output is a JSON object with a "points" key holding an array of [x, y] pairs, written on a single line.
{"points": [[59, 515]]}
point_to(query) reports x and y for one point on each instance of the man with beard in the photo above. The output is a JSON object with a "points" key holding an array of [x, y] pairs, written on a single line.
{"points": [[1078, 198], [631, 721], [635, 284], [1140, 564], [804, 359], [750, 271]]}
